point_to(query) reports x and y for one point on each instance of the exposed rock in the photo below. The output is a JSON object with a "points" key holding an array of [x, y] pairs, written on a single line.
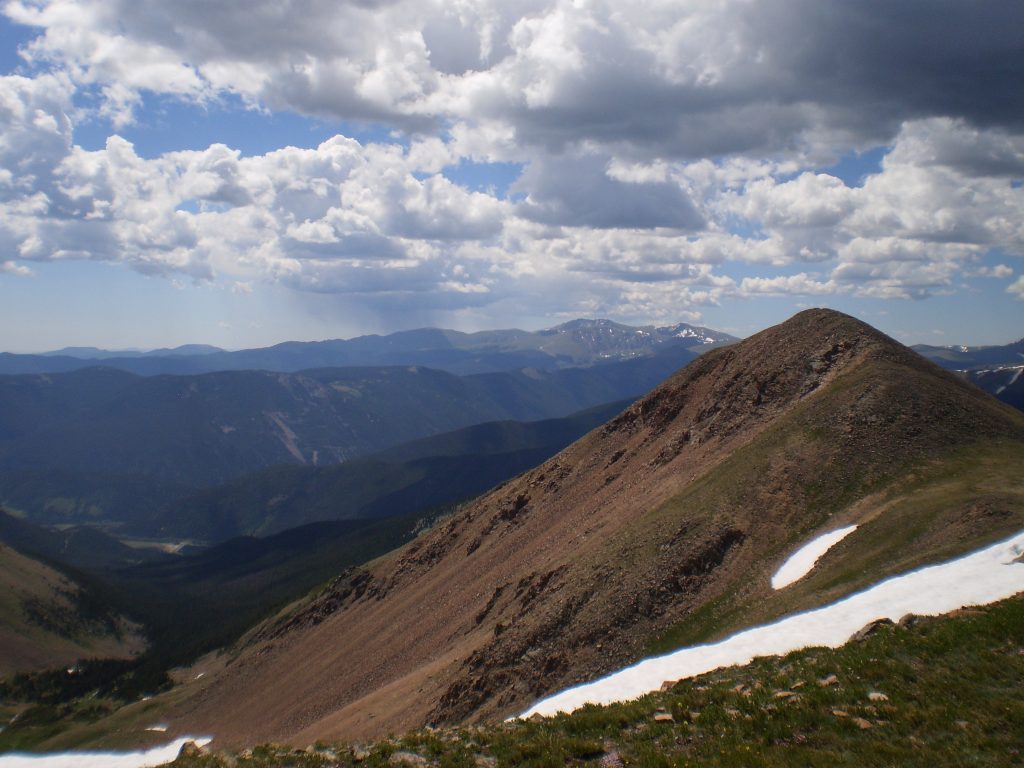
{"points": [[663, 717], [876, 696], [611, 759], [783, 694], [861, 723], [825, 682], [909, 620], [869, 629], [190, 750], [408, 759], [840, 713]]}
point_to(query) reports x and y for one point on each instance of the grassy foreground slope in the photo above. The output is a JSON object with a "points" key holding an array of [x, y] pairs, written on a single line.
{"points": [[936, 692]]}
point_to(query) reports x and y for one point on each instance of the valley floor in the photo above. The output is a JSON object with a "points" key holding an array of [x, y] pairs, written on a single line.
{"points": [[930, 692]]}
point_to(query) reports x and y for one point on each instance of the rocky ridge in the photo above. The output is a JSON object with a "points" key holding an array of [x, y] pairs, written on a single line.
{"points": [[668, 519]]}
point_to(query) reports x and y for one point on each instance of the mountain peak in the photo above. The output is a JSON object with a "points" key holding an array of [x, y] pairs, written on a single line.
{"points": [[671, 518]]}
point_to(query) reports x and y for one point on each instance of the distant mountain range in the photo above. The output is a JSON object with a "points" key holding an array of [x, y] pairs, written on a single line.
{"points": [[416, 477], [1006, 383], [104, 445], [961, 358], [572, 344], [94, 353], [995, 369]]}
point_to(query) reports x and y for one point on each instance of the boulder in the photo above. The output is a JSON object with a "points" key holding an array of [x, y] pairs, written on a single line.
{"points": [[190, 749], [870, 628]]}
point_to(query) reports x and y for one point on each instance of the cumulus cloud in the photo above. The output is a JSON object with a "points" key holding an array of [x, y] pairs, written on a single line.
{"points": [[660, 143], [800, 284], [679, 78], [1017, 288], [999, 271], [576, 190], [11, 268]]}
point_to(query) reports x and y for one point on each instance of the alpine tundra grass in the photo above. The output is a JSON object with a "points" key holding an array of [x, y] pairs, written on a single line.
{"points": [[928, 692]]}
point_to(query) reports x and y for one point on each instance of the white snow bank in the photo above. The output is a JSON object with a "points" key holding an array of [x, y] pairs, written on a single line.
{"points": [[152, 757], [983, 577], [802, 561]]}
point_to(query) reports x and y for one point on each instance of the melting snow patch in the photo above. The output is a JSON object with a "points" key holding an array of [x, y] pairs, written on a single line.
{"points": [[976, 579], [802, 561], [151, 757], [158, 728]]}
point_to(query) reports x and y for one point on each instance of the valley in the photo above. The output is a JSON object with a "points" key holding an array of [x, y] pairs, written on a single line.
{"points": [[100, 445]]}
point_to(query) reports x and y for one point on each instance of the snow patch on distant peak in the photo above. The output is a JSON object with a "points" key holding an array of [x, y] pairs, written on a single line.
{"points": [[991, 574], [802, 562], [152, 757]]}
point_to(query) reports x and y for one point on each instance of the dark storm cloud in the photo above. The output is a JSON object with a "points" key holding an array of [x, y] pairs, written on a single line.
{"points": [[576, 191], [857, 69]]}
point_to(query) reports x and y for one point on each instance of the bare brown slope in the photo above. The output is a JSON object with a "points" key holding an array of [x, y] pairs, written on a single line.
{"points": [[672, 515], [43, 627]]}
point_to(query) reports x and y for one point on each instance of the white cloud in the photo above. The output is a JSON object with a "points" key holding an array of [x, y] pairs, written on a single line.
{"points": [[1017, 288], [683, 78], [11, 268], [661, 142], [800, 284], [999, 271]]}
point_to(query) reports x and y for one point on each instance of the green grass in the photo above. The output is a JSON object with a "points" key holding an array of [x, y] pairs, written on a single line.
{"points": [[952, 688], [918, 514]]}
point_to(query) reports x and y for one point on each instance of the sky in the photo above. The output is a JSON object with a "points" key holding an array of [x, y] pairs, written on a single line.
{"points": [[242, 173]]}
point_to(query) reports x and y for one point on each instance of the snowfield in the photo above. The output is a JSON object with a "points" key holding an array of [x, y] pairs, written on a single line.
{"points": [[151, 757], [985, 576], [801, 562]]}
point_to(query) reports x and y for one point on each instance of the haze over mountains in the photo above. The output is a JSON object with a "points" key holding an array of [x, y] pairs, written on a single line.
{"points": [[575, 343], [104, 445], [423, 475]]}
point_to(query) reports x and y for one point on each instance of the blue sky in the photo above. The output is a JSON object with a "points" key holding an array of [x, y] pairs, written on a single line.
{"points": [[167, 179]]}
